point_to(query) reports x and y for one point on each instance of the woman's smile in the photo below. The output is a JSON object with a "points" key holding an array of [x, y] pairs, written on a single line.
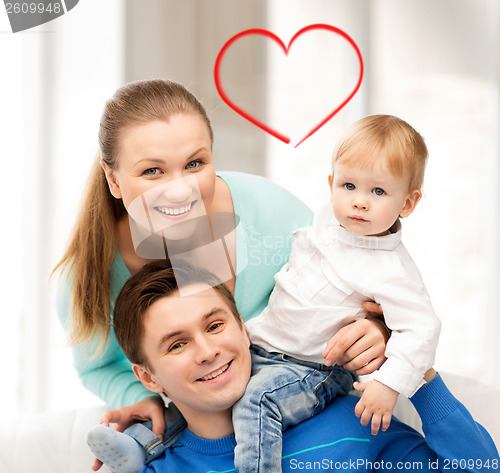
{"points": [[175, 212]]}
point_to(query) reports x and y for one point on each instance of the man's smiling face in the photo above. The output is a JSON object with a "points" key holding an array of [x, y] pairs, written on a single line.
{"points": [[198, 355]]}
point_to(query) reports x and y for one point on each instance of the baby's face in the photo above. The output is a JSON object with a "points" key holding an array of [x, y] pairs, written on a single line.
{"points": [[369, 201]]}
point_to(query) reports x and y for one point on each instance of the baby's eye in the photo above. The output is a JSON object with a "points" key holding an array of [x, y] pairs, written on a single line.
{"points": [[349, 186], [378, 191], [151, 172]]}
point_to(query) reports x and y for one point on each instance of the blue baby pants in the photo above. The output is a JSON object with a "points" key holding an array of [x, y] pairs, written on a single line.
{"points": [[154, 447], [282, 392]]}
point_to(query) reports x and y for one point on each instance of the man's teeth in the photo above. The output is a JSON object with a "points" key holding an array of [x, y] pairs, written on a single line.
{"points": [[215, 373], [176, 211]]}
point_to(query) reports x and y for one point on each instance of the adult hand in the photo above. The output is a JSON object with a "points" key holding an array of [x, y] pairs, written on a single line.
{"points": [[374, 309], [149, 408], [429, 375], [97, 464], [359, 346]]}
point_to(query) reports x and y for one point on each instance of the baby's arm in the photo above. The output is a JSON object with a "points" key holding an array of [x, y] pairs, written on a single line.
{"points": [[376, 403]]}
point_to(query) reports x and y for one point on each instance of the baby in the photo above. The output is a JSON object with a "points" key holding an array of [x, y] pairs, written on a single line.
{"points": [[351, 254]]}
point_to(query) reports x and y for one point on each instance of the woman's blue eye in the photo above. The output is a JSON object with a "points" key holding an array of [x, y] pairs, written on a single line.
{"points": [[378, 191], [194, 164], [151, 172], [349, 186]]}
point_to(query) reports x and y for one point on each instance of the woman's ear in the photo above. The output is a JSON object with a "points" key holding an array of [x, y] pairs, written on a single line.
{"points": [[411, 202], [114, 186], [146, 378]]}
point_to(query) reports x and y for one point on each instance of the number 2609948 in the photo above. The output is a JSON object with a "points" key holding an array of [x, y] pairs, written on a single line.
{"points": [[33, 7]]}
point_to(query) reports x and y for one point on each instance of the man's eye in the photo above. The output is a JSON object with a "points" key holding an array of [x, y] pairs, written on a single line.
{"points": [[176, 346], [215, 327], [378, 191], [349, 186]]}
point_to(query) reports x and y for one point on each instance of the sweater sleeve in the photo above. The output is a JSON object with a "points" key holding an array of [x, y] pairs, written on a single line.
{"points": [[109, 374], [453, 440]]}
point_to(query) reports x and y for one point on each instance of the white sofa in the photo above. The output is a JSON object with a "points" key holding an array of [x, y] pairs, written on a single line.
{"points": [[53, 443]]}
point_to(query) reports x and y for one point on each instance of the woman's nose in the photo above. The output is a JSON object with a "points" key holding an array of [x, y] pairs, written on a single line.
{"points": [[178, 190]]}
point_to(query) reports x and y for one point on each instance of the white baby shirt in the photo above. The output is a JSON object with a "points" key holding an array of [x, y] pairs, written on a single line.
{"points": [[330, 273]]}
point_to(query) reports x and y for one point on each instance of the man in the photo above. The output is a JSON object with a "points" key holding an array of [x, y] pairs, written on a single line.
{"points": [[194, 350]]}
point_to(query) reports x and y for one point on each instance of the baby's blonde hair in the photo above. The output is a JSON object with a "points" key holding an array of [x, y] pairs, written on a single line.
{"points": [[376, 136]]}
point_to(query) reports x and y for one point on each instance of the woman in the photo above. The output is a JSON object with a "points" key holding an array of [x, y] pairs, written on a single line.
{"points": [[153, 133]]}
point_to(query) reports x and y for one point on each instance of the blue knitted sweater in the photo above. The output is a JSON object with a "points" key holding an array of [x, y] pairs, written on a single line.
{"points": [[335, 440]]}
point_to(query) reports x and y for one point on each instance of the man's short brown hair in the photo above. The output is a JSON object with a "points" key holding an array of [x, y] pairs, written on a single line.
{"points": [[154, 281]]}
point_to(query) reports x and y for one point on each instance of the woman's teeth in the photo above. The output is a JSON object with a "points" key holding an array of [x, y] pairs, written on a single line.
{"points": [[176, 211], [215, 373]]}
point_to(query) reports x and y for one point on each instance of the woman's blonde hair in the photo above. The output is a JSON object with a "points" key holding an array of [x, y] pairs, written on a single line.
{"points": [[384, 136], [92, 246]]}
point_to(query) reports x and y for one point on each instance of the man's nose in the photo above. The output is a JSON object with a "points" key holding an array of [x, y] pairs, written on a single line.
{"points": [[207, 349], [178, 190]]}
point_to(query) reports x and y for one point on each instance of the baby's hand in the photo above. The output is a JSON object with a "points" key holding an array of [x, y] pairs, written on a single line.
{"points": [[376, 403]]}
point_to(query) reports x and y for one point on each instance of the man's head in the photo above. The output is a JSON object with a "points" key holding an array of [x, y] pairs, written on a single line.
{"points": [[193, 348]]}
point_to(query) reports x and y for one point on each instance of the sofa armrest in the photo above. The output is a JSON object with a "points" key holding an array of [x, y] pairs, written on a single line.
{"points": [[49, 442]]}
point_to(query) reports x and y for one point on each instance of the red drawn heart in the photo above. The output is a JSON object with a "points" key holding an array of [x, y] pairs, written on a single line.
{"points": [[286, 49]]}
